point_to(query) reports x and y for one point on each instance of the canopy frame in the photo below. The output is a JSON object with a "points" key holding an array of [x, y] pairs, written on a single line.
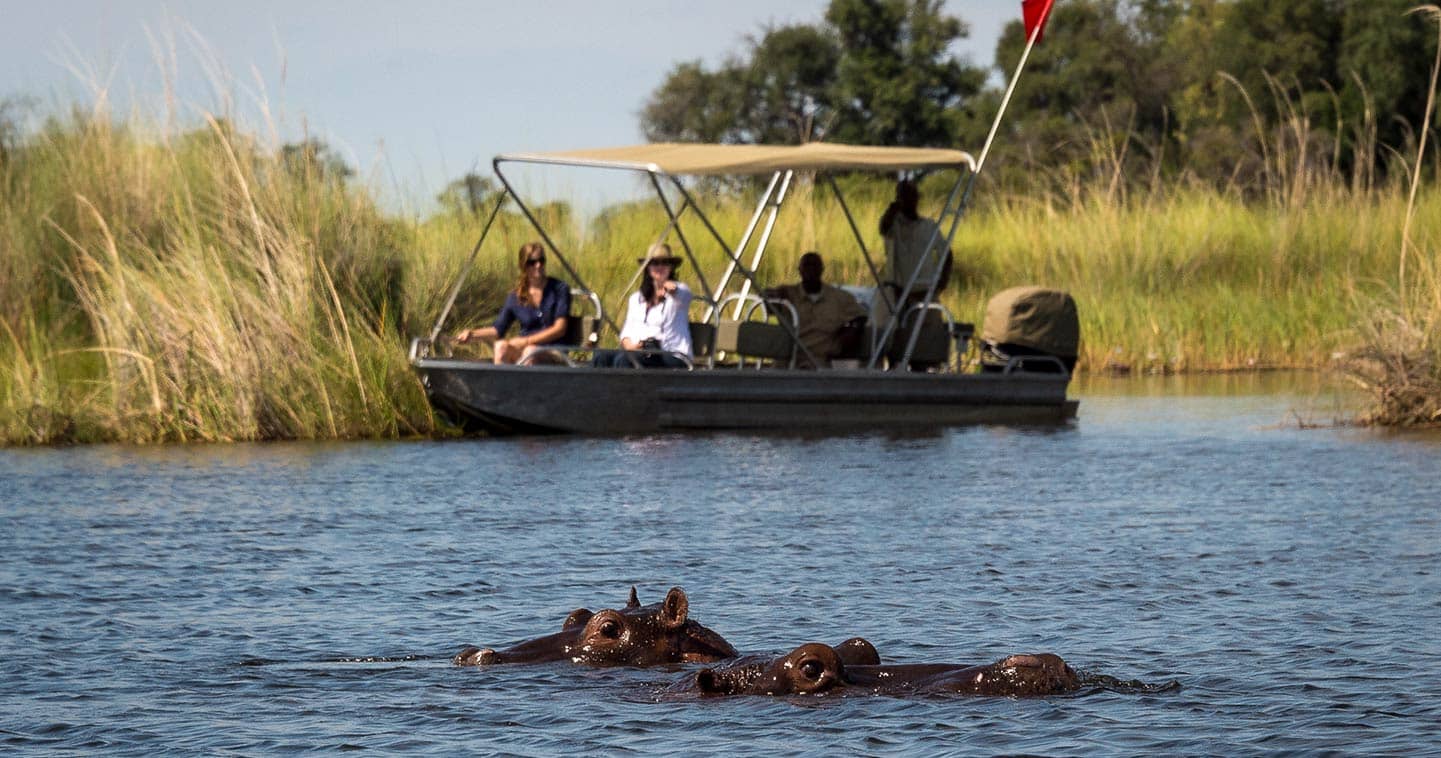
{"points": [[824, 160]]}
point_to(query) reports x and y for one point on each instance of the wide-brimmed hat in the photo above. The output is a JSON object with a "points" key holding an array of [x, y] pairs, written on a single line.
{"points": [[660, 253]]}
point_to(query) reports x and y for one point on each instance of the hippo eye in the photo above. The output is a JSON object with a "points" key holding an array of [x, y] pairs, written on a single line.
{"points": [[609, 629], [812, 669]]}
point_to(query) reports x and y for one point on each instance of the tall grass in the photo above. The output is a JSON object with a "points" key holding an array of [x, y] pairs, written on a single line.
{"points": [[160, 286], [1399, 361], [193, 287]]}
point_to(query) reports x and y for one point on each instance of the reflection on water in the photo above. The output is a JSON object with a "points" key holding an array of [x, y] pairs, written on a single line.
{"points": [[1181, 529]]}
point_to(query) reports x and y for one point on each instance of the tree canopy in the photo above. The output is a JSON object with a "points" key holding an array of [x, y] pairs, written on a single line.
{"points": [[873, 71], [1207, 90]]}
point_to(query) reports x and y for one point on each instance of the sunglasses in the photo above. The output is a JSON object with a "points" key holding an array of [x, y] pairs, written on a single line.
{"points": [[535, 262], [659, 264]]}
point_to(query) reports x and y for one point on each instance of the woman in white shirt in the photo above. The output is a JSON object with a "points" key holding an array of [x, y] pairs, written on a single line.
{"points": [[657, 318]]}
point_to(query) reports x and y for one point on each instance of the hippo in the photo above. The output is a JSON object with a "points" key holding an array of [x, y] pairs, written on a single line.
{"points": [[815, 668], [635, 635]]}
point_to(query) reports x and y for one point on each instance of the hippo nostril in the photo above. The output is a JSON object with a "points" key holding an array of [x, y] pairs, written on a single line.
{"points": [[708, 681], [486, 657]]}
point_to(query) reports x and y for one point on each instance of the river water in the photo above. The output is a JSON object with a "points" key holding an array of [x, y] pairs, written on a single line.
{"points": [[288, 597]]}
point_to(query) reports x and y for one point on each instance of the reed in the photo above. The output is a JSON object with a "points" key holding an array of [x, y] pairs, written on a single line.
{"points": [[197, 286], [194, 288], [1190, 281], [1399, 358]]}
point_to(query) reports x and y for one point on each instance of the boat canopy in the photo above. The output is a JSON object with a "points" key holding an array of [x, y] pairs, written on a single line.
{"points": [[732, 160]]}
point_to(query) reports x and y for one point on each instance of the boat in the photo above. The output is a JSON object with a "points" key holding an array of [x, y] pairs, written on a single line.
{"points": [[916, 368]]}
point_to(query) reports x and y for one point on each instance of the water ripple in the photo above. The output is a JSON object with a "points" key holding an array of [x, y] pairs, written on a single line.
{"points": [[1225, 587]]}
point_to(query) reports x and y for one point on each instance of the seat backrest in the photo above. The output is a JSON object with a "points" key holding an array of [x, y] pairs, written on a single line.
{"points": [[702, 339], [582, 331], [932, 346], [754, 339]]}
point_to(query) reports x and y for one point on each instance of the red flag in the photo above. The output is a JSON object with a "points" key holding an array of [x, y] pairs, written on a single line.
{"points": [[1036, 12]]}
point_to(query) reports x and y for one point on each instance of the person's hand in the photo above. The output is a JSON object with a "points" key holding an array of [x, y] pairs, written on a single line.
{"points": [[669, 286], [462, 337]]}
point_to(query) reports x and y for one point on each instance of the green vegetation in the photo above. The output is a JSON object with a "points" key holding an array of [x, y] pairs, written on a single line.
{"points": [[1400, 358], [193, 288], [207, 286], [202, 288]]}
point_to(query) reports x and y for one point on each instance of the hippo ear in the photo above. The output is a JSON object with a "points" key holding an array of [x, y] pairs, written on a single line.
{"points": [[710, 683], [577, 617], [674, 608], [858, 651], [633, 602]]}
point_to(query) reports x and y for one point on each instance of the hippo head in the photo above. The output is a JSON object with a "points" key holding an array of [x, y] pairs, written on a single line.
{"points": [[815, 668], [1028, 674], [635, 635], [812, 667]]}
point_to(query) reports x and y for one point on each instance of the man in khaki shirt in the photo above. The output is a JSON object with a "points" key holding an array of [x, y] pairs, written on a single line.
{"points": [[830, 318]]}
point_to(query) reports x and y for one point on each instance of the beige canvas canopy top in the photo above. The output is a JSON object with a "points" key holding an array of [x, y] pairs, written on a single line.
{"points": [[722, 160]]}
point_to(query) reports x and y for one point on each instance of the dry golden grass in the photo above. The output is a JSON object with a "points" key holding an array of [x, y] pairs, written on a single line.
{"points": [[1399, 358]]}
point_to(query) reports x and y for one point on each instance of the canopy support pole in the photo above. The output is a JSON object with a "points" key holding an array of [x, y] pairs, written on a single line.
{"points": [[792, 330], [760, 250], [680, 235], [465, 270], [550, 243], [744, 243]]}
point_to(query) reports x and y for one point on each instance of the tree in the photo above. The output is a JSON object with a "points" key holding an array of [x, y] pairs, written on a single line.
{"points": [[897, 82], [470, 194], [788, 86], [875, 72], [312, 158], [694, 105], [1093, 94], [1384, 68]]}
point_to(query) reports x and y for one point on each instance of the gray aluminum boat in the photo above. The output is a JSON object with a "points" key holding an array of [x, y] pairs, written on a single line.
{"points": [[743, 373]]}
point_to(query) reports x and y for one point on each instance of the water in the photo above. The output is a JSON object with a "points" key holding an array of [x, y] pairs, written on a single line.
{"points": [[213, 599]]}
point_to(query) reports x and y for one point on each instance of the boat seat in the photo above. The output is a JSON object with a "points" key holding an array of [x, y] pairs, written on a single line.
{"points": [[755, 339], [580, 331], [933, 346], [702, 339]]}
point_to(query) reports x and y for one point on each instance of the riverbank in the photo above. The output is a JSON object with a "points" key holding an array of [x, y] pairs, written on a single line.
{"points": [[204, 286]]}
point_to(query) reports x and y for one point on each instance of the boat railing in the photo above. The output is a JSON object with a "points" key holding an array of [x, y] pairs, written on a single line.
{"points": [[957, 338], [1043, 364], [581, 331], [419, 348], [747, 338]]}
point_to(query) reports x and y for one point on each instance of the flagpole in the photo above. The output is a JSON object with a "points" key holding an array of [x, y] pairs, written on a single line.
{"points": [[1010, 90]]}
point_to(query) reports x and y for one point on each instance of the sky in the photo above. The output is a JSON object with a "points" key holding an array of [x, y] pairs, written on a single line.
{"points": [[413, 94]]}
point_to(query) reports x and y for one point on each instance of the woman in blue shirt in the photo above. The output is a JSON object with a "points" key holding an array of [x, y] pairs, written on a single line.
{"points": [[539, 304]]}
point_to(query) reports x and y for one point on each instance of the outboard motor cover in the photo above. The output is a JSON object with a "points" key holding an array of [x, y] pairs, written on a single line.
{"points": [[1024, 321]]}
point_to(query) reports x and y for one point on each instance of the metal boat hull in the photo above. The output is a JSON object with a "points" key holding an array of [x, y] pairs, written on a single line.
{"points": [[531, 399]]}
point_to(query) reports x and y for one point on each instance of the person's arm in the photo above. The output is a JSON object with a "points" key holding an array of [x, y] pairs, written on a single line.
{"points": [[853, 308], [481, 334], [782, 292], [493, 332], [682, 295], [634, 321], [889, 217], [680, 317], [544, 336], [945, 272]]}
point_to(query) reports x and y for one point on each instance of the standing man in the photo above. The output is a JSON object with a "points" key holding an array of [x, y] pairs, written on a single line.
{"points": [[908, 247], [830, 318]]}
